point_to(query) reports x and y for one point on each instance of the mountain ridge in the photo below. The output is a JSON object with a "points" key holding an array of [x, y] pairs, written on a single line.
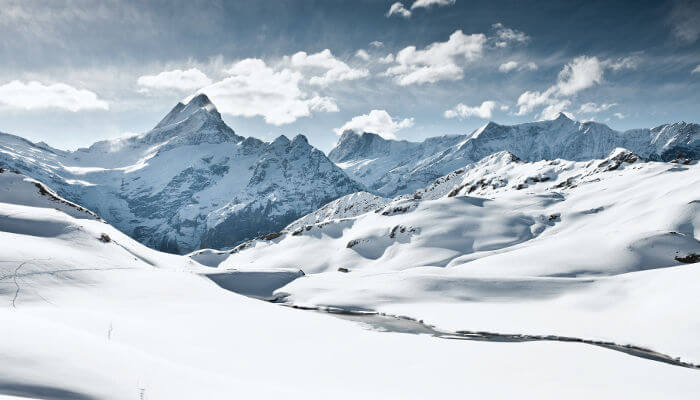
{"points": [[380, 164], [189, 181]]}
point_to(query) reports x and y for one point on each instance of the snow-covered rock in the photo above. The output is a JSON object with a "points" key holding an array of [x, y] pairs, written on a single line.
{"points": [[391, 167], [348, 206], [609, 246], [190, 182]]}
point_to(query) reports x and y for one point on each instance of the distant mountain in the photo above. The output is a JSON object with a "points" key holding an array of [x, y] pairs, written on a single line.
{"points": [[189, 182], [389, 167]]}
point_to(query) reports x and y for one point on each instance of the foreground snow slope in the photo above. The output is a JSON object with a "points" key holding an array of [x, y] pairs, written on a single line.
{"points": [[191, 181], [391, 167], [602, 249], [84, 318]]}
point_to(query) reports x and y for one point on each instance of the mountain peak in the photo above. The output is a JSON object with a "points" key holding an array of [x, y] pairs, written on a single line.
{"points": [[562, 117], [179, 113]]}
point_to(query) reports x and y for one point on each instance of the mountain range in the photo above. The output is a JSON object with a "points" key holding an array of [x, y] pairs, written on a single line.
{"points": [[390, 167], [191, 182]]}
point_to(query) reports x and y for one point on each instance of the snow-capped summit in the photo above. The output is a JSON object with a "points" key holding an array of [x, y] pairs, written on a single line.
{"points": [[390, 167], [190, 181]]}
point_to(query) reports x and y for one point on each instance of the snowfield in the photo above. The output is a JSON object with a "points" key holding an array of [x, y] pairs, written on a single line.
{"points": [[599, 250], [91, 314]]}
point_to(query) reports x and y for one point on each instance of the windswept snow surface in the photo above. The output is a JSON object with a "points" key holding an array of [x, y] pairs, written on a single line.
{"points": [[599, 250], [88, 316]]}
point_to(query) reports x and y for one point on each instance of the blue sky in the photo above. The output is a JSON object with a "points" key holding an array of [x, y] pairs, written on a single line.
{"points": [[74, 72]]}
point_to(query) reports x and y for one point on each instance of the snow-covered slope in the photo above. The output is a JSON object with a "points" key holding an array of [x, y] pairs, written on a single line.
{"points": [[390, 168], [189, 182], [87, 316], [606, 249], [348, 206]]}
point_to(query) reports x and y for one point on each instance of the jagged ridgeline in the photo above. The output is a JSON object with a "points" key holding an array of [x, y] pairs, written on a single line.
{"points": [[390, 167], [190, 182]]}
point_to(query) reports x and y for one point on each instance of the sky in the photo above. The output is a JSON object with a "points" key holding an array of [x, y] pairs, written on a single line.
{"points": [[77, 71]]}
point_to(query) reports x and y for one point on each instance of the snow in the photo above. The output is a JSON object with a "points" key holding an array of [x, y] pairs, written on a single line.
{"points": [[391, 168], [585, 249], [85, 318], [551, 230], [188, 182]]}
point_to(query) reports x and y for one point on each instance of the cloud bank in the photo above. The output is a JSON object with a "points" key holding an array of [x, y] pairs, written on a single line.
{"points": [[35, 95]]}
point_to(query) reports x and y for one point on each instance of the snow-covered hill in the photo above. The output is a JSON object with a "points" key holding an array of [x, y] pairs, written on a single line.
{"points": [[391, 167], [606, 249], [88, 313], [189, 182]]}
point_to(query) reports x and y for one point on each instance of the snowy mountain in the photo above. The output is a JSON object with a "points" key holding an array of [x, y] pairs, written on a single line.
{"points": [[89, 313], [390, 168], [189, 182], [596, 250]]}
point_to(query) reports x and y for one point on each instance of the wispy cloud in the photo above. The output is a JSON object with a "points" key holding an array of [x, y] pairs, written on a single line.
{"points": [[398, 9], [484, 111], [593, 108], [505, 35], [430, 3], [191, 79], [513, 65], [684, 19]]}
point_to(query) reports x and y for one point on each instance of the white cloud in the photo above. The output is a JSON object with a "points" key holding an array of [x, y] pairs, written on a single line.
{"points": [[438, 61], [429, 3], [484, 111], [507, 35], [336, 70], [508, 66], [593, 108], [696, 70], [398, 9], [362, 54], [581, 73], [377, 121], [376, 44], [553, 110], [512, 65], [386, 60], [191, 79], [623, 63], [530, 100], [619, 115], [36, 95], [253, 88]]}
